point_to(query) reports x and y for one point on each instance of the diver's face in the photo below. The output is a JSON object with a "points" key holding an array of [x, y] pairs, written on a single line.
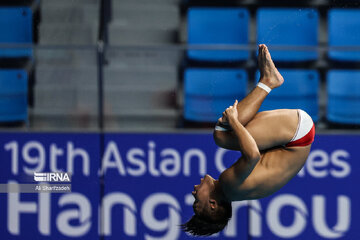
{"points": [[201, 194]]}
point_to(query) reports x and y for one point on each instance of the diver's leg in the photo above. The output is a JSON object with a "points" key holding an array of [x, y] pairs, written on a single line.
{"points": [[268, 128], [273, 128], [270, 76], [249, 106]]}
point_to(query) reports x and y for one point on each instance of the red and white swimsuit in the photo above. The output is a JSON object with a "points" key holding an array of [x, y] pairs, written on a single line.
{"points": [[305, 132]]}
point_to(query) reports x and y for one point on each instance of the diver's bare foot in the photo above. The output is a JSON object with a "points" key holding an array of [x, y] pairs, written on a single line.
{"points": [[269, 75]]}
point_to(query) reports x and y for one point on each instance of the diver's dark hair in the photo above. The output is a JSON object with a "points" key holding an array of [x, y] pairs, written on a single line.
{"points": [[206, 225]]}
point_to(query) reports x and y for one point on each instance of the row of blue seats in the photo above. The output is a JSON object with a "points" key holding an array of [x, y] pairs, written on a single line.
{"points": [[208, 92], [276, 27]]}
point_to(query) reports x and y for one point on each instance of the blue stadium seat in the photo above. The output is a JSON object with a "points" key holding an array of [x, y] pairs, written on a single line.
{"points": [[208, 92], [218, 26], [289, 27], [13, 95], [299, 91], [344, 31], [343, 96], [16, 28]]}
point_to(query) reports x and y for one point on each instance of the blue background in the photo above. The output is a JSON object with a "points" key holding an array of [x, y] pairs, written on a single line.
{"points": [[170, 194]]}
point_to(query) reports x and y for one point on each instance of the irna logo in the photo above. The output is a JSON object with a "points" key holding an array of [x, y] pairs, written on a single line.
{"points": [[52, 177]]}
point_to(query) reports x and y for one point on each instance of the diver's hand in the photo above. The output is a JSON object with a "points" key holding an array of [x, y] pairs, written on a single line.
{"points": [[231, 113]]}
